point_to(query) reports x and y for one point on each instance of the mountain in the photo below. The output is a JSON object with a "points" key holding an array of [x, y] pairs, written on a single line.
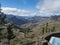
{"points": [[55, 17], [38, 18], [17, 20], [20, 20]]}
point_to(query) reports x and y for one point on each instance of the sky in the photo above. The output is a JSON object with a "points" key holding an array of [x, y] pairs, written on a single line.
{"points": [[31, 7]]}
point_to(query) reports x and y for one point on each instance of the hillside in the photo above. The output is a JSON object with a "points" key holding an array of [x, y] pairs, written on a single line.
{"points": [[26, 31]]}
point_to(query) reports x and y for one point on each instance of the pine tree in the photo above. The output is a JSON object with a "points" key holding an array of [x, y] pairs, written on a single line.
{"points": [[1, 35], [26, 31], [2, 21], [46, 27], [0, 8], [10, 33], [42, 30], [2, 16], [53, 29]]}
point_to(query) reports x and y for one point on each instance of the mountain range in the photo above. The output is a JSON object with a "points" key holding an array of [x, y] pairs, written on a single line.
{"points": [[20, 20]]}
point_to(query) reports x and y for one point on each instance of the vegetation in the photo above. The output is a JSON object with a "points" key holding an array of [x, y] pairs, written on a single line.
{"points": [[14, 35]]}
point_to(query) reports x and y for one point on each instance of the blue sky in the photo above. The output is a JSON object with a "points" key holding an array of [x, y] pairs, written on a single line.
{"points": [[31, 7], [22, 4]]}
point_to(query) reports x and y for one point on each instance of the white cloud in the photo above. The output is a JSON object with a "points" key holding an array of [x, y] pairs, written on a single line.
{"points": [[15, 11], [49, 7]]}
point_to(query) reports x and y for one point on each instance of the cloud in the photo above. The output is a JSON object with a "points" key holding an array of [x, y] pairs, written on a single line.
{"points": [[49, 7], [15, 11]]}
